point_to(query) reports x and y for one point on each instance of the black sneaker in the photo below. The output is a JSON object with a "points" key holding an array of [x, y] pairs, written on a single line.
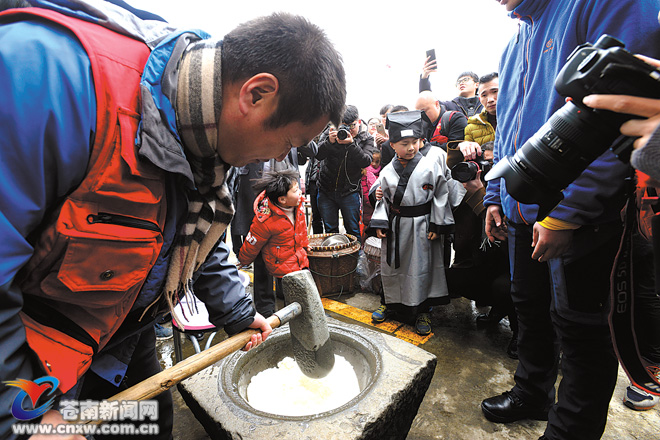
{"points": [[492, 318], [423, 324]]}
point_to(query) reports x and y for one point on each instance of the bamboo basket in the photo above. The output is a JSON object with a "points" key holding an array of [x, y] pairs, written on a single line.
{"points": [[333, 267]]}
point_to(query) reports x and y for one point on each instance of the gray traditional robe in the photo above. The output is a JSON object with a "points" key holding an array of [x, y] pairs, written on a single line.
{"points": [[419, 279]]}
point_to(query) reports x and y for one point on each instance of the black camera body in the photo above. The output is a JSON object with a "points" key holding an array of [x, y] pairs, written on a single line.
{"points": [[466, 171], [343, 132], [575, 135]]}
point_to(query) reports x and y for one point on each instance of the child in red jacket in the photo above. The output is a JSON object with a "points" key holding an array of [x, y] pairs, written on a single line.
{"points": [[279, 229]]}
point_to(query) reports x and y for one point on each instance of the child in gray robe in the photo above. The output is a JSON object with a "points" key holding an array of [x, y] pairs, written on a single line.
{"points": [[412, 218]]}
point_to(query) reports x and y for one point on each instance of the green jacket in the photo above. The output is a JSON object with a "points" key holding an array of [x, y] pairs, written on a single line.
{"points": [[479, 130]]}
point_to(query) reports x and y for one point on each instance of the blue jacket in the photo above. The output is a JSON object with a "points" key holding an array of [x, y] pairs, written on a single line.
{"points": [[549, 31], [46, 122]]}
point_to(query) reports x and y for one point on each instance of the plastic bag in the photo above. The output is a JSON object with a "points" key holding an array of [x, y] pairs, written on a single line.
{"points": [[369, 274]]}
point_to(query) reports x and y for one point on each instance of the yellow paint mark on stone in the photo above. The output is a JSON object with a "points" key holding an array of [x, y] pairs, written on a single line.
{"points": [[401, 331], [408, 333]]}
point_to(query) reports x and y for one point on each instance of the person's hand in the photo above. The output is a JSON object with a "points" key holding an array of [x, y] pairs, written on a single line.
{"points": [[257, 338], [429, 66], [472, 186], [432, 235], [495, 223], [347, 141], [632, 105], [379, 193], [470, 150], [54, 418], [550, 244], [381, 233], [380, 139], [332, 134]]}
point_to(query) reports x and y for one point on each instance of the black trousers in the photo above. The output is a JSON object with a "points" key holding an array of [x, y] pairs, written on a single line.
{"points": [[264, 297], [144, 364], [317, 221], [563, 304]]}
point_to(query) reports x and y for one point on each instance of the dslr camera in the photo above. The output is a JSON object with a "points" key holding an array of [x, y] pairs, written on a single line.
{"points": [[466, 171], [575, 135], [343, 132]]}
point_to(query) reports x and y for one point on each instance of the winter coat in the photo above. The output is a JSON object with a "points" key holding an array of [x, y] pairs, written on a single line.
{"points": [[341, 169], [448, 130], [281, 243], [479, 130], [468, 106], [56, 157], [244, 196], [370, 176]]}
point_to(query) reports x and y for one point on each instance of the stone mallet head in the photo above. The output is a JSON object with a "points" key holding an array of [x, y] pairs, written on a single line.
{"points": [[310, 338]]}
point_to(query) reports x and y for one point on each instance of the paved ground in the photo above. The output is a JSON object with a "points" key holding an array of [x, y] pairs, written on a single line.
{"points": [[472, 365]]}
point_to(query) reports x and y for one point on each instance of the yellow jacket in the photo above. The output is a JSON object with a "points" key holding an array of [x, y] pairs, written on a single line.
{"points": [[479, 130]]}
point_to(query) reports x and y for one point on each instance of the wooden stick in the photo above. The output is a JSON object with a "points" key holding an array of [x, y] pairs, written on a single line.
{"points": [[166, 379]]}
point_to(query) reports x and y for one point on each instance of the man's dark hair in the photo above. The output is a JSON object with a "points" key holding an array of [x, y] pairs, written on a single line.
{"points": [[350, 114], [399, 108], [472, 75], [11, 4], [386, 108], [488, 77], [312, 81], [276, 183], [488, 145]]}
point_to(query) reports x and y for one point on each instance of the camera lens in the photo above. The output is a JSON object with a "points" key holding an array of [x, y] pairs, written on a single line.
{"points": [[555, 156], [464, 171], [342, 134]]}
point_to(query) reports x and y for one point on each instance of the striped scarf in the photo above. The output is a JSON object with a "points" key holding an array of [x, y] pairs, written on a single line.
{"points": [[210, 209]]}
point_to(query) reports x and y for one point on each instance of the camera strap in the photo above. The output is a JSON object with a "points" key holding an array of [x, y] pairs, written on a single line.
{"points": [[621, 318]]}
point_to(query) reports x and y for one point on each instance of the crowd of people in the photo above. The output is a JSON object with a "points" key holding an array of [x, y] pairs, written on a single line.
{"points": [[415, 179], [131, 148]]}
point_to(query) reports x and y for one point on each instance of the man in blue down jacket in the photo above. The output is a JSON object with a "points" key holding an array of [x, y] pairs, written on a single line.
{"points": [[561, 265], [57, 127]]}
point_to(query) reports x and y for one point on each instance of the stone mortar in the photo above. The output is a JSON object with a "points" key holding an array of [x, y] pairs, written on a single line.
{"points": [[393, 375]]}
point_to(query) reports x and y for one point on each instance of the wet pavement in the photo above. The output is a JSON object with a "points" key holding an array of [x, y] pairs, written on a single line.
{"points": [[472, 365]]}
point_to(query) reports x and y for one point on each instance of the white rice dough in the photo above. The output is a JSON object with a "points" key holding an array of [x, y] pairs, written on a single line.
{"points": [[286, 391]]}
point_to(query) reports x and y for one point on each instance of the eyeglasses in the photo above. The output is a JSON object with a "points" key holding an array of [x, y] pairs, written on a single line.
{"points": [[353, 125], [464, 80]]}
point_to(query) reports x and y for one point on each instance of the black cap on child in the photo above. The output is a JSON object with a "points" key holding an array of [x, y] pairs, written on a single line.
{"points": [[402, 125]]}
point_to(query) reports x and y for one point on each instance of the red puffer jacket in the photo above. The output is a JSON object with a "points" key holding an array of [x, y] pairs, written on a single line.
{"points": [[272, 233]]}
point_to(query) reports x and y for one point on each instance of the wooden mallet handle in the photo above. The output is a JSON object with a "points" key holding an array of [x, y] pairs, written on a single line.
{"points": [[166, 379]]}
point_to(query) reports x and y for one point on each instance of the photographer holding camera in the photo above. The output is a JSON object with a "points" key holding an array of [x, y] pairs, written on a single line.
{"points": [[465, 161], [475, 254], [344, 151], [561, 265]]}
